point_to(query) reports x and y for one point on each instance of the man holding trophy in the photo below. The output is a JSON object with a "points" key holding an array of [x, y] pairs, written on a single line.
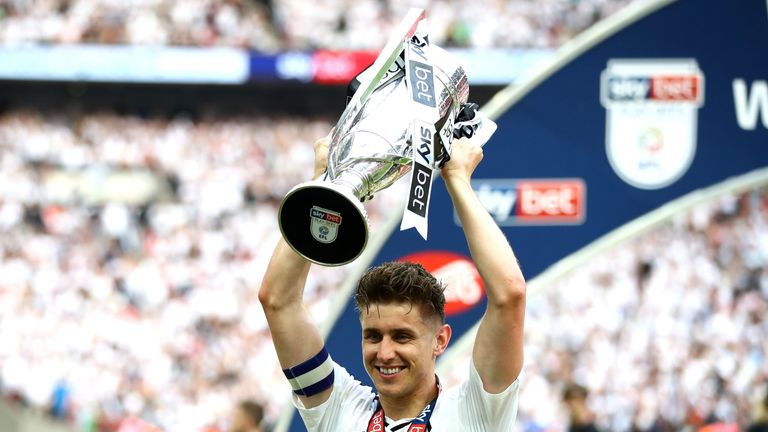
{"points": [[401, 306]]}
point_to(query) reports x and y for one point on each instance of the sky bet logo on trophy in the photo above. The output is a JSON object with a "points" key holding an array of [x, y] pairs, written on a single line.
{"points": [[402, 114]]}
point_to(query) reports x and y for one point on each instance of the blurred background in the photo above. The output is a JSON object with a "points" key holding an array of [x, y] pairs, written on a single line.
{"points": [[145, 146]]}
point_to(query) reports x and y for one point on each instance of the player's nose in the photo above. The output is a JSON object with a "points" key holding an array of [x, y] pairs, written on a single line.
{"points": [[386, 350]]}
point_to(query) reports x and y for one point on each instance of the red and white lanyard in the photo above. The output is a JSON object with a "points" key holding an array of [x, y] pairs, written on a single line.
{"points": [[418, 424]]}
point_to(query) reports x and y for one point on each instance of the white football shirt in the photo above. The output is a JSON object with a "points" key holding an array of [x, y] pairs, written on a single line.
{"points": [[465, 407]]}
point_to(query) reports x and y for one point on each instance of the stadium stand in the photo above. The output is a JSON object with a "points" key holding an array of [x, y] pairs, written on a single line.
{"points": [[270, 26]]}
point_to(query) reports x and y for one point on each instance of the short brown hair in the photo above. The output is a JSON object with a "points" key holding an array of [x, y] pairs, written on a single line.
{"points": [[401, 282]]}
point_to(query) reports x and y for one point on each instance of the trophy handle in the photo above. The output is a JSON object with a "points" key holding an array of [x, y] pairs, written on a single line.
{"points": [[323, 222]]}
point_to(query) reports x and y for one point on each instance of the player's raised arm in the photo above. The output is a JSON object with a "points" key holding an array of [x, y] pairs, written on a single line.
{"points": [[299, 344], [498, 350]]}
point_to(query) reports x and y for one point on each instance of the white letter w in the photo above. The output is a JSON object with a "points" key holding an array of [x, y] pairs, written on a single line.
{"points": [[748, 106]]}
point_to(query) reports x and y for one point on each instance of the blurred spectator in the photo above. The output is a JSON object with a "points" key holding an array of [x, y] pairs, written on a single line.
{"points": [[760, 419], [581, 419], [247, 417], [60, 403]]}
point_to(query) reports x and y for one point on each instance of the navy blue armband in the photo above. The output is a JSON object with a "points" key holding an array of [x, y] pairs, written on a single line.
{"points": [[313, 376]]}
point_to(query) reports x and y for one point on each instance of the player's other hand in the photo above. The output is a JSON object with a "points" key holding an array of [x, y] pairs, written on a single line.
{"points": [[321, 155], [465, 156]]}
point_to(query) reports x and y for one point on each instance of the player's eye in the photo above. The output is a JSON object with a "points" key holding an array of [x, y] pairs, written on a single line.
{"points": [[403, 337]]}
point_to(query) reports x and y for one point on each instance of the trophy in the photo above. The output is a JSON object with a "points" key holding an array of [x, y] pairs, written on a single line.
{"points": [[399, 117]]}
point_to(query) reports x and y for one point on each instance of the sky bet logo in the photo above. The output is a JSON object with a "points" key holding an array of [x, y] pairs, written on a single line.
{"points": [[533, 201], [659, 88], [322, 214]]}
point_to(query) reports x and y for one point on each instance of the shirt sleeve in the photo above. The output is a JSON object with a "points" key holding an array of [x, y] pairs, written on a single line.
{"points": [[489, 411], [349, 402]]}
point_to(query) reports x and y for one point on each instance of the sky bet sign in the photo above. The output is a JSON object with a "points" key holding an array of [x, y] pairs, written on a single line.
{"points": [[532, 201]]}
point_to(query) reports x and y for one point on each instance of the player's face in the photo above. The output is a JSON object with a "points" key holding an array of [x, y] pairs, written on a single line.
{"points": [[400, 348]]}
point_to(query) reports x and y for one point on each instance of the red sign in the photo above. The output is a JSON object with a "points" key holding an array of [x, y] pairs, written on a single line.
{"points": [[551, 200], [135, 424], [675, 88], [339, 67], [464, 287]]}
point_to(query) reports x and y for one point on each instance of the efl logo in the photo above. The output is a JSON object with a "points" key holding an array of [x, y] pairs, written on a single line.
{"points": [[533, 201], [464, 287], [651, 118], [324, 224]]}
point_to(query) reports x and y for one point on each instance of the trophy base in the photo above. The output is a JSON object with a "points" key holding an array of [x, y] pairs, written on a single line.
{"points": [[324, 223]]}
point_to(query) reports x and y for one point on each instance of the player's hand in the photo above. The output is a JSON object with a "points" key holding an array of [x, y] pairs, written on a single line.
{"points": [[321, 155], [465, 156]]}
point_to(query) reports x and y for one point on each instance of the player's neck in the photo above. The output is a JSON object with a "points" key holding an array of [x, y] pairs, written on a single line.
{"points": [[412, 405]]}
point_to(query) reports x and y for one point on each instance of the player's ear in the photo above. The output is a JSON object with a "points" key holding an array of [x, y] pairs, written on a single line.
{"points": [[442, 337]]}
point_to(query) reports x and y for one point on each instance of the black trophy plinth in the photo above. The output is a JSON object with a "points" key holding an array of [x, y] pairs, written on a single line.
{"points": [[324, 222]]}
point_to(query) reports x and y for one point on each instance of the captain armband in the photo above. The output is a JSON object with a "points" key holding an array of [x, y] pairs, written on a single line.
{"points": [[313, 376]]}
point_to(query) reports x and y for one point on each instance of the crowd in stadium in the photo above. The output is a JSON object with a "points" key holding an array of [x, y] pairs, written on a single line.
{"points": [[145, 304], [274, 25], [117, 305], [666, 332]]}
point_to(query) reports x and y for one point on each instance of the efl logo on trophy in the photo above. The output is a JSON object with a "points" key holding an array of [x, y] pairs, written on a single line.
{"points": [[397, 120], [325, 224]]}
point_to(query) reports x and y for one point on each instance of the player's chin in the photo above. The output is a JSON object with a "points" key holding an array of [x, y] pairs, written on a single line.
{"points": [[389, 388]]}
